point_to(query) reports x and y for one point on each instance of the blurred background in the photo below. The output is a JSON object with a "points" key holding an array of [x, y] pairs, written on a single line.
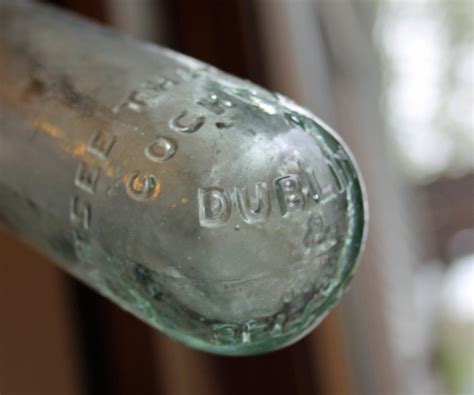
{"points": [[396, 79]]}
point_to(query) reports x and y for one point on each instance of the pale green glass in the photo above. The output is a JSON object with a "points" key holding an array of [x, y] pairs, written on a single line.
{"points": [[220, 213]]}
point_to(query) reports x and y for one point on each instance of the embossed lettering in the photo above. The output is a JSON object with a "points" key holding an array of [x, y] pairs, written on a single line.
{"points": [[149, 93], [87, 177], [311, 187], [164, 84], [319, 237], [214, 207], [100, 144], [293, 192], [259, 211], [186, 74], [294, 120], [178, 124], [160, 150], [288, 191], [340, 181], [141, 187], [314, 231], [141, 97], [80, 213], [225, 333], [278, 325], [215, 104]]}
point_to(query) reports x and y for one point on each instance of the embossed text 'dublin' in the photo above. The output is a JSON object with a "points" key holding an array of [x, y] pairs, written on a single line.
{"points": [[291, 193]]}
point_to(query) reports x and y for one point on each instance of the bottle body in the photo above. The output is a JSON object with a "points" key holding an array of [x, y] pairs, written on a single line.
{"points": [[218, 212]]}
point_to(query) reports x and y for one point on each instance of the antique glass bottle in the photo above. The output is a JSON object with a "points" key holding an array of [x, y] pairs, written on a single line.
{"points": [[220, 213]]}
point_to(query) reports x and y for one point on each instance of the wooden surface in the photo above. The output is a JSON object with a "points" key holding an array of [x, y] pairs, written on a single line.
{"points": [[38, 354]]}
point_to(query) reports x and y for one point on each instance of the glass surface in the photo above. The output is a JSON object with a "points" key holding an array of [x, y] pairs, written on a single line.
{"points": [[220, 213]]}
